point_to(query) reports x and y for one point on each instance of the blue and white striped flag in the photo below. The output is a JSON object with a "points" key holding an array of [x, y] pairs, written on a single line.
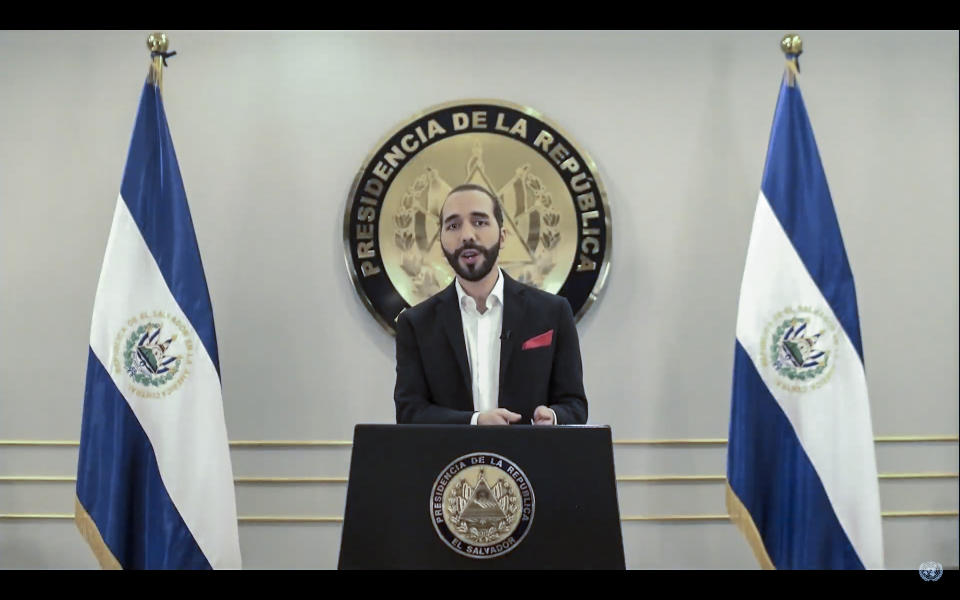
{"points": [[801, 465], [154, 479]]}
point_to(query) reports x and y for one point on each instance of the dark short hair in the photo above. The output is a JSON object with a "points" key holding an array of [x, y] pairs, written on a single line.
{"points": [[465, 187]]}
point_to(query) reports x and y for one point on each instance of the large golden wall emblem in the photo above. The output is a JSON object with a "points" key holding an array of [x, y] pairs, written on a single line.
{"points": [[555, 207]]}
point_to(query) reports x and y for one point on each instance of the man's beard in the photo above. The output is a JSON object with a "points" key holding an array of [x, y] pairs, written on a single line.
{"points": [[478, 270]]}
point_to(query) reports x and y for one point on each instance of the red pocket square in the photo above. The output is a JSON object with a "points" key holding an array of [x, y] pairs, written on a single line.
{"points": [[544, 339]]}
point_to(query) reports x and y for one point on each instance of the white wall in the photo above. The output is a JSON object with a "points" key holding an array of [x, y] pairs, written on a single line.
{"points": [[270, 129]]}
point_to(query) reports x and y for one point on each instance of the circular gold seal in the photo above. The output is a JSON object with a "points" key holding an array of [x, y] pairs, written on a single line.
{"points": [[482, 505], [154, 350], [800, 353], [555, 209]]}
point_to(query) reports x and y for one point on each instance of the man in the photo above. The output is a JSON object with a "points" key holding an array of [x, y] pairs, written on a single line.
{"points": [[487, 350]]}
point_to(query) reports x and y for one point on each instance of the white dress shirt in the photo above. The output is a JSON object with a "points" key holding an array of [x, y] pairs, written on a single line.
{"points": [[481, 333]]}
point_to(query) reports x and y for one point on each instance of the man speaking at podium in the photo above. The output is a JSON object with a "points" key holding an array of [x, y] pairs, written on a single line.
{"points": [[487, 350]]}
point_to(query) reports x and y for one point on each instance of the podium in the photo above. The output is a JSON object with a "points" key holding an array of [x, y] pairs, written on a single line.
{"points": [[492, 497]]}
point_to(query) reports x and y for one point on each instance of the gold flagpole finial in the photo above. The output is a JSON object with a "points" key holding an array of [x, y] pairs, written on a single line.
{"points": [[792, 47], [791, 44], [157, 44]]}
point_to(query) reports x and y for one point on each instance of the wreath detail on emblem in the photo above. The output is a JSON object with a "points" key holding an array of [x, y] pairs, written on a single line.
{"points": [[411, 236], [533, 207], [483, 514], [794, 352], [146, 356]]}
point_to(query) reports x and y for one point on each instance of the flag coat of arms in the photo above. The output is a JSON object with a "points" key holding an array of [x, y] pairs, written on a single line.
{"points": [[801, 464], [154, 478]]}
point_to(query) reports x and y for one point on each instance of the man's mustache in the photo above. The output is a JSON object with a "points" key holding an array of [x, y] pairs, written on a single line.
{"points": [[469, 246]]}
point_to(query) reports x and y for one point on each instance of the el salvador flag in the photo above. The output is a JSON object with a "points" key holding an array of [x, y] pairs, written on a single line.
{"points": [[154, 480], [801, 464]]}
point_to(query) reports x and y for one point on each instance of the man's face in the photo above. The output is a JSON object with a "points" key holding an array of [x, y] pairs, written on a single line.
{"points": [[469, 235]]}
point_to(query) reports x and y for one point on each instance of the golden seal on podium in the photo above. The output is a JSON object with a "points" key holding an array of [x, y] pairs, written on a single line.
{"points": [[556, 216], [482, 505]]}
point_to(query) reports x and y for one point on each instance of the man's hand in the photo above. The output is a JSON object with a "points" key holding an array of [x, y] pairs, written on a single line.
{"points": [[542, 416], [497, 416]]}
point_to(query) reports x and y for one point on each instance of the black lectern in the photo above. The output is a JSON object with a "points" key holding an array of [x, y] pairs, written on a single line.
{"points": [[467, 497]]}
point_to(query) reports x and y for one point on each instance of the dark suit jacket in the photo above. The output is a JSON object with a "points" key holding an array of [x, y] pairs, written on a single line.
{"points": [[433, 375]]}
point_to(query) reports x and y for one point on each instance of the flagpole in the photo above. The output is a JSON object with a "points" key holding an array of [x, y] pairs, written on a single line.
{"points": [[157, 43], [792, 47]]}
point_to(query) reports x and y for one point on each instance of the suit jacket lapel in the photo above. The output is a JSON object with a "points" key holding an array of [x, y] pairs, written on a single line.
{"points": [[449, 309], [514, 305]]}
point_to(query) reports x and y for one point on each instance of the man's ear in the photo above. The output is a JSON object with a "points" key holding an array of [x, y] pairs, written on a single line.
{"points": [[503, 236]]}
